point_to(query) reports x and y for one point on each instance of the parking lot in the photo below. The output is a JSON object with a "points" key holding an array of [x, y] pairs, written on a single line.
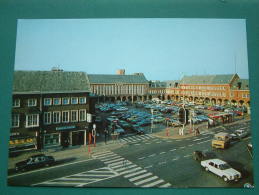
{"points": [[126, 118]]}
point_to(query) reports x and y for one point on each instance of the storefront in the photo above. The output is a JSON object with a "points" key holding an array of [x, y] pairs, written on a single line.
{"points": [[68, 136], [22, 143]]}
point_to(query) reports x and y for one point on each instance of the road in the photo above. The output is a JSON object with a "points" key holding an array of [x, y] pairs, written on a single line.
{"points": [[147, 161]]}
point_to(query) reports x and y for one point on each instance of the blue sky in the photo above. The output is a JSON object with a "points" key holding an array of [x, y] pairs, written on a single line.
{"points": [[163, 49]]}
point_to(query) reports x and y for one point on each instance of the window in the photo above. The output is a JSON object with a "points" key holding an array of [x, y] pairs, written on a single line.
{"points": [[56, 101], [16, 103], [65, 101], [32, 102], [51, 139], [74, 100], [74, 115], [32, 120], [65, 116], [56, 117], [82, 115], [47, 117], [47, 101], [82, 100], [15, 120]]}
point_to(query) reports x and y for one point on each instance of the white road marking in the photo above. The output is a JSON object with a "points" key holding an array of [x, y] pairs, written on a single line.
{"points": [[128, 167], [114, 160], [136, 144], [158, 142], [161, 163], [148, 167], [121, 165], [151, 155], [162, 152], [129, 171], [139, 177], [182, 147], [175, 159], [153, 184], [203, 141], [187, 155], [146, 180], [190, 145], [141, 158], [172, 150], [136, 173], [165, 185], [110, 157]]}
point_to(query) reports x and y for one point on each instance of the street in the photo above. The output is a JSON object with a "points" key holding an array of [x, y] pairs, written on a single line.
{"points": [[147, 161]]}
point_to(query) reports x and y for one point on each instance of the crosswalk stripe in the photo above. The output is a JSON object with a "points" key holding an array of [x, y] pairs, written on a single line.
{"points": [[130, 171], [87, 175], [146, 180], [136, 173], [102, 155], [153, 184], [121, 165], [128, 167], [114, 160], [76, 179], [116, 163], [165, 185], [108, 156], [139, 177]]}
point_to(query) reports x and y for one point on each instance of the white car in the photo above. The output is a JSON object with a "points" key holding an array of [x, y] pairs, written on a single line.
{"points": [[241, 133], [222, 169]]}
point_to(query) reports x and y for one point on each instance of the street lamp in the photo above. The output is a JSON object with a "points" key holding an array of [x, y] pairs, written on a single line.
{"points": [[152, 111]]}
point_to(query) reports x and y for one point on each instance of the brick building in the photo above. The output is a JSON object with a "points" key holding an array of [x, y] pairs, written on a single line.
{"points": [[49, 109]]}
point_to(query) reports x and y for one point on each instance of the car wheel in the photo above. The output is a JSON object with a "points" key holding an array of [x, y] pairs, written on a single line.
{"points": [[225, 178], [47, 165], [16, 169], [206, 169]]}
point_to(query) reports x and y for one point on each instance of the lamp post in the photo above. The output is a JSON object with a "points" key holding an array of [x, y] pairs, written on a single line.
{"points": [[152, 122]]}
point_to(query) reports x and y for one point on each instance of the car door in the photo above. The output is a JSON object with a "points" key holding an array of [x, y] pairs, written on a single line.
{"points": [[213, 168]]}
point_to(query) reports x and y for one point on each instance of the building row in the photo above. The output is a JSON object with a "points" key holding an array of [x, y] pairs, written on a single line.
{"points": [[54, 108]]}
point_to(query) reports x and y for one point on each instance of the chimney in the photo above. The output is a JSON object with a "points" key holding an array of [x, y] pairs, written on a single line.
{"points": [[120, 72]]}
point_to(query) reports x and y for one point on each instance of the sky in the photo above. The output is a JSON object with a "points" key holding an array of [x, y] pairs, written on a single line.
{"points": [[162, 49]]}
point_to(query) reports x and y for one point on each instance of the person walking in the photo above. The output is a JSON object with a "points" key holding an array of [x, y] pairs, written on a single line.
{"points": [[105, 135]]}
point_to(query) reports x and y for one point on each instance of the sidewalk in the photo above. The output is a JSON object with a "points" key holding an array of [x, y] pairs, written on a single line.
{"points": [[173, 132], [67, 154]]}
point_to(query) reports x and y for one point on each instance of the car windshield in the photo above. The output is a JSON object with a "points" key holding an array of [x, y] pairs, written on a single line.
{"points": [[224, 166]]}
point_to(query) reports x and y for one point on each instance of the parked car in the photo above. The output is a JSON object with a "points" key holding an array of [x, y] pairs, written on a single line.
{"points": [[221, 140], [35, 161], [222, 169], [199, 155], [241, 133]]}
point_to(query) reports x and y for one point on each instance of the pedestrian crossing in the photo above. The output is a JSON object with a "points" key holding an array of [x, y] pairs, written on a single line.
{"points": [[137, 138], [138, 176], [81, 179]]}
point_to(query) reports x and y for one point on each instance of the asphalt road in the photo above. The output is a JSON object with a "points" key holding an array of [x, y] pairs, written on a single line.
{"points": [[147, 161]]}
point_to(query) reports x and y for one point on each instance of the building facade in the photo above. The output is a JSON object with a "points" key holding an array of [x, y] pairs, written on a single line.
{"points": [[119, 86], [211, 89], [50, 109]]}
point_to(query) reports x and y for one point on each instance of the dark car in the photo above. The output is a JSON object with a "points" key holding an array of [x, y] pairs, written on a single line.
{"points": [[199, 155], [35, 161]]}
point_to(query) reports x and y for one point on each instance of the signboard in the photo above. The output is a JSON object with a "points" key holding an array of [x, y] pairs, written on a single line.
{"points": [[65, 127]]}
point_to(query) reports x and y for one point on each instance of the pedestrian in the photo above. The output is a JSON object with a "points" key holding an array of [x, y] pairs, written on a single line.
{"points": [[105, 135]]}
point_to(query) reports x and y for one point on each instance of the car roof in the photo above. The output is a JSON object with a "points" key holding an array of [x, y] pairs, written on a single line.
{"points": [[217, 161], [221, 134], [37, 155]]}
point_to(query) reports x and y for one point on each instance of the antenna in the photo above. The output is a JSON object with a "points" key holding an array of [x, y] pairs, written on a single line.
{"points": [[235, 63]]}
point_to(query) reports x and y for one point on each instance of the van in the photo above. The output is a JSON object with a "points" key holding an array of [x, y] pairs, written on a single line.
{"points": [[221, 140]]}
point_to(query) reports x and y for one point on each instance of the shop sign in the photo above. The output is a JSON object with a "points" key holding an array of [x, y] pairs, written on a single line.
{"points": [[65, 127]]}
